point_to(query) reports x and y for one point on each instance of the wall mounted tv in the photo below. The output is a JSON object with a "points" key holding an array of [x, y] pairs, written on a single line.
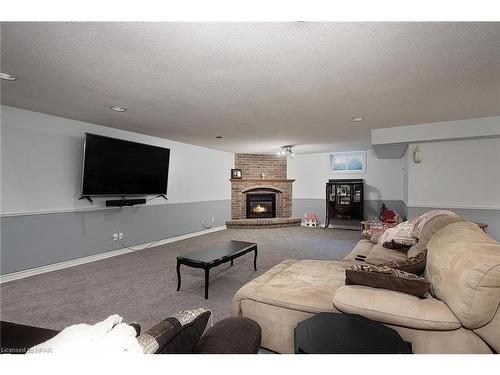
{"points": [[114, 167]]}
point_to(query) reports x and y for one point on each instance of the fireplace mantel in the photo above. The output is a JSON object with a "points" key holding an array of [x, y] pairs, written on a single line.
{"points": [[261, 180]]}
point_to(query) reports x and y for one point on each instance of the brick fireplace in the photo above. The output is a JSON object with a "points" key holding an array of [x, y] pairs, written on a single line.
{"points": [[263, 196]]}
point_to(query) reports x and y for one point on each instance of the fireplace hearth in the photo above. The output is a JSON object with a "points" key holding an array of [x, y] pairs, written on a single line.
{"points": [[261, 206]]}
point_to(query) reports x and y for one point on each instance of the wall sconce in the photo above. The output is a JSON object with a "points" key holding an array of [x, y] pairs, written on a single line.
{"points": [[417, 155]]}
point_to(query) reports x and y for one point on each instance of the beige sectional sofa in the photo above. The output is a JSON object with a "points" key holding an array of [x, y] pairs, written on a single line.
{"points": [[459, 315]]}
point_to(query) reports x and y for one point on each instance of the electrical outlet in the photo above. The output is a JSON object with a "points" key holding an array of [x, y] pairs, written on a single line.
{"points": [[120, 235], [115, 236]]}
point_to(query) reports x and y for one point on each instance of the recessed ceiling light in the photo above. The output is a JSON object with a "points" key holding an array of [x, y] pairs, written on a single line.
{"points": [[118, 109], [357, 119], [7, 76], [218, 136]]}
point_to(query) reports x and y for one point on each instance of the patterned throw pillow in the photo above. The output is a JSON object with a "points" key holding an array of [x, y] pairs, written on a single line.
{"points": [[414, 265], [399, 237], [177, 334], [386, 278]]}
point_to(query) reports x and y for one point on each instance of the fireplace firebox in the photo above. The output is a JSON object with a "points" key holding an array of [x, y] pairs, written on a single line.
{"points": [[261, 206]]}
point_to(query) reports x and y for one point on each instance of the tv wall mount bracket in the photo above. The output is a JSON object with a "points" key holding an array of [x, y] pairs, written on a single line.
{"points": [[87, 198]]}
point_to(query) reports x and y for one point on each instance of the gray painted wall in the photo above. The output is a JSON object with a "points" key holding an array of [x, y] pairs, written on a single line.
{"points": [[29, 241], [490, 217], [317, 206]]}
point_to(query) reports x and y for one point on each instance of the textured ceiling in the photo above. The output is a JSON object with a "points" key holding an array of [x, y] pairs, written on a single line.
{"points": [[259, 85]]}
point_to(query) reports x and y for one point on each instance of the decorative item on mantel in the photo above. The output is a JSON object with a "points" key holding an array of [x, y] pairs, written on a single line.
{"points": [[262, 175], [236, 173]]}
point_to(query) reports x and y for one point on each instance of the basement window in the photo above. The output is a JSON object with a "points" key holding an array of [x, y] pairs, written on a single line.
{"points": [[348, 162]]}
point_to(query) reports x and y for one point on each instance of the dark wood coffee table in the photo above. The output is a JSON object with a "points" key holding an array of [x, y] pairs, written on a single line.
{"points": [[213, 256], [334, 333]]}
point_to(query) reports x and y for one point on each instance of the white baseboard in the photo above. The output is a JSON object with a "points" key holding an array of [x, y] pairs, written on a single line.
{"points": [[92, 258]]}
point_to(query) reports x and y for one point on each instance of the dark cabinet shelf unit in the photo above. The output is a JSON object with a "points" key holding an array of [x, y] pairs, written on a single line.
{"points": [[344, 202]]}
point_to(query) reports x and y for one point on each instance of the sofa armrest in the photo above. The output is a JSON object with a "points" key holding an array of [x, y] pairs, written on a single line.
{"points": [[390, 307], [231, 336]]}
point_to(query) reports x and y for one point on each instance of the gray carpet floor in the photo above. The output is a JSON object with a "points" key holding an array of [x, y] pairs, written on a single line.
{"points": [[141, 286]]}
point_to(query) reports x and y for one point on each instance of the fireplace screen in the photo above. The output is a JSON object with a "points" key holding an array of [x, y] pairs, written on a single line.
{"points": [[261, 206]]}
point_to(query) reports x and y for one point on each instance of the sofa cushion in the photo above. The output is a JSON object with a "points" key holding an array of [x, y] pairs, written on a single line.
{"points": [[397, 308], [414, 265], [306, 285], [463, 267], [431, 227], [374, 253], [490, 332], [386, 278], [379, 254], [303, 285], [399, 237], [277, 323], [249, 290], [458, 341], [363, 247]]}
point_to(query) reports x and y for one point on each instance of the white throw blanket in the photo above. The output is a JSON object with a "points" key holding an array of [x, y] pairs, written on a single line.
{"points": [[108, 336]]}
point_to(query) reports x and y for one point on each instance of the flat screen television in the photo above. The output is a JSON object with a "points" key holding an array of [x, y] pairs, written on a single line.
{"points": [[114, 167]]}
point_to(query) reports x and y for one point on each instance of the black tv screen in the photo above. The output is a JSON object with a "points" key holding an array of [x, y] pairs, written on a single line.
{"points": [[116, 167]]}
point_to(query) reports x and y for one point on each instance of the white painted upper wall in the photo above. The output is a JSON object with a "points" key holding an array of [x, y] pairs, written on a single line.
{"points": [[456, 174], [42, 162], [448, 130], [383, 177]]}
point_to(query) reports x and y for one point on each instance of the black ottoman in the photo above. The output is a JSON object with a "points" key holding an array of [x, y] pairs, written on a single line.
{"points": [[231, 336], [334, 333]]}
